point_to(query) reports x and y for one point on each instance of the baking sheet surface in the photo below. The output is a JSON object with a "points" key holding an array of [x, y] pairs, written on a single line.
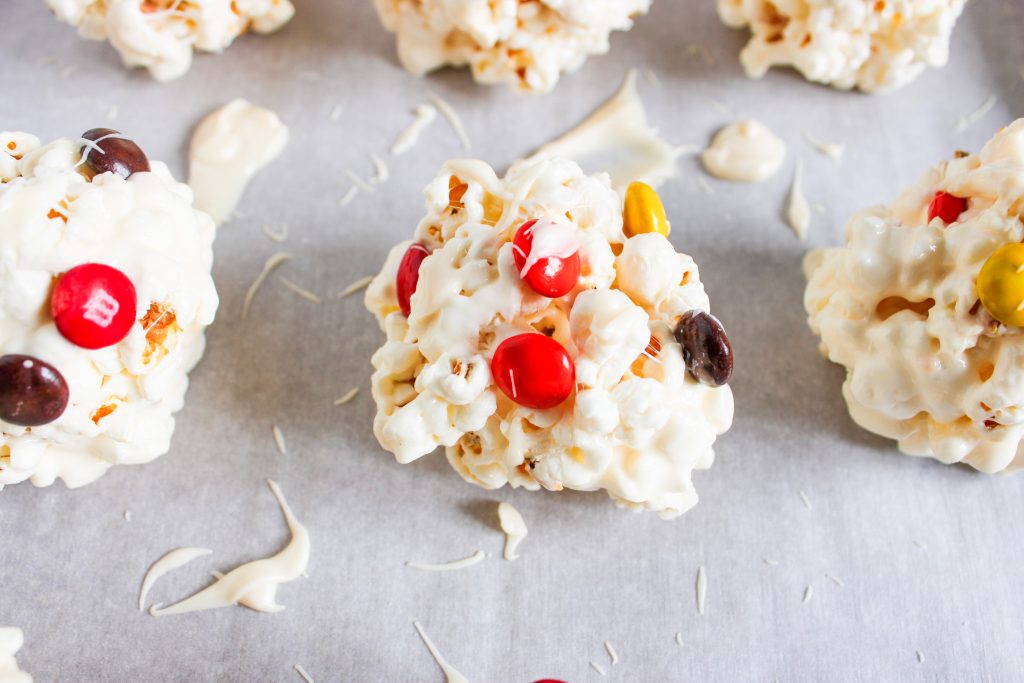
{"points": [[930, 557]]}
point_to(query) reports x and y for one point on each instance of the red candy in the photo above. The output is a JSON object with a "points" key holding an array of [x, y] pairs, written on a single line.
{"points": [[947, 207], [409, 275], [551, 276], [94, 305], [533, 370]]}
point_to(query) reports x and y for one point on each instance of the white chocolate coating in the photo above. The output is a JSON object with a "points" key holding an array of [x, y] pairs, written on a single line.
{"points": [[122, 398], [526, 44], [747, 152], [874, 46], [943, 378], [636, 426], [161, 35], [11, 640]]}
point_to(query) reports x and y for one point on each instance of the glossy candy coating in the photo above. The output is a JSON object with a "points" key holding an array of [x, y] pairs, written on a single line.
{"points": [[706, 348], [94, 305], [115, 154], [1001, 284], [32, 392], [947, 207], [409, 275], [643, 211], [533, 370]]}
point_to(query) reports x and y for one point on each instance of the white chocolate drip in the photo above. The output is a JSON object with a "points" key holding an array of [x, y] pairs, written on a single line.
{"points": [[228, 148], [514, 526], [618, 140], [253, 584], [178, 557], [745, 152]]}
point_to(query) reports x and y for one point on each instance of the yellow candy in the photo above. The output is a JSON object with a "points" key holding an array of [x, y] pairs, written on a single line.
{"points": [[643, 211], [1001, 284]]}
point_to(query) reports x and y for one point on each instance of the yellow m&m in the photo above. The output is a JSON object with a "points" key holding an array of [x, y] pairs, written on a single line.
{"points": [[1001, 284], [643, 211]]}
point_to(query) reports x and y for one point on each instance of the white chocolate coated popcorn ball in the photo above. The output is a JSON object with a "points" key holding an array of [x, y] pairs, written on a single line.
{"points": [[591, 384], [105, 292], [160, 35], [873, 46], [922, 306], [526, 44]]}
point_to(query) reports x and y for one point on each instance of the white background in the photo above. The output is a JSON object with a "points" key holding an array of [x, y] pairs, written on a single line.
{"points": [[70, 565]]}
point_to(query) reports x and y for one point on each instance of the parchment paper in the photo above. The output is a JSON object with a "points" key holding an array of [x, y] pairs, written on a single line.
{"points": [[930, 556]]}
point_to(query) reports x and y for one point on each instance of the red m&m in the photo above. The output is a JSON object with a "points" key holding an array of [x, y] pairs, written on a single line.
{"points": [[551, 275], [409, 275], [947, 207], [94, 305], [533, 370]]}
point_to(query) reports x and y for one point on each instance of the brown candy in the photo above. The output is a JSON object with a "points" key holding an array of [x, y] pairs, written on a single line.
{"points": [[706, 348], [32, 392], [115, 155]]}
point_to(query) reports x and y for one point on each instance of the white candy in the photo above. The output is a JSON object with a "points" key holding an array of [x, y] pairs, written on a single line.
{"points": [[160, 35], [636, 426], [122, 397], [845, 43], [930, 380], [526, 44]]}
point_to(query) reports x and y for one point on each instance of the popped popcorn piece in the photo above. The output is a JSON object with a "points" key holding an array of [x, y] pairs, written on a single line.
{"points": [[526, 44], [915, 306], [874, 46]]}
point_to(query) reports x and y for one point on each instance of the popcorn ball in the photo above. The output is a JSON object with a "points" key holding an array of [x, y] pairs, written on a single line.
{"points": [[547, 334], [527, 44], [160, 35], [105, 291], [873, 46], [924, 305]]}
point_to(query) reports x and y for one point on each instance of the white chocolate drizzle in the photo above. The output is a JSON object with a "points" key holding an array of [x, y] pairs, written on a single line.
{"points": [[618, 132], [356, 286], [475, 558], [612, 654], [228, 148], [550, 240], [702, 589], [453, 118], [253, 584], [300, 290], [282, 446], [450, 674], [347, 398], [271, 264], [798, 213], [969, 120], [176, 558], [425, 115], [514, 526], [833, 150]]}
